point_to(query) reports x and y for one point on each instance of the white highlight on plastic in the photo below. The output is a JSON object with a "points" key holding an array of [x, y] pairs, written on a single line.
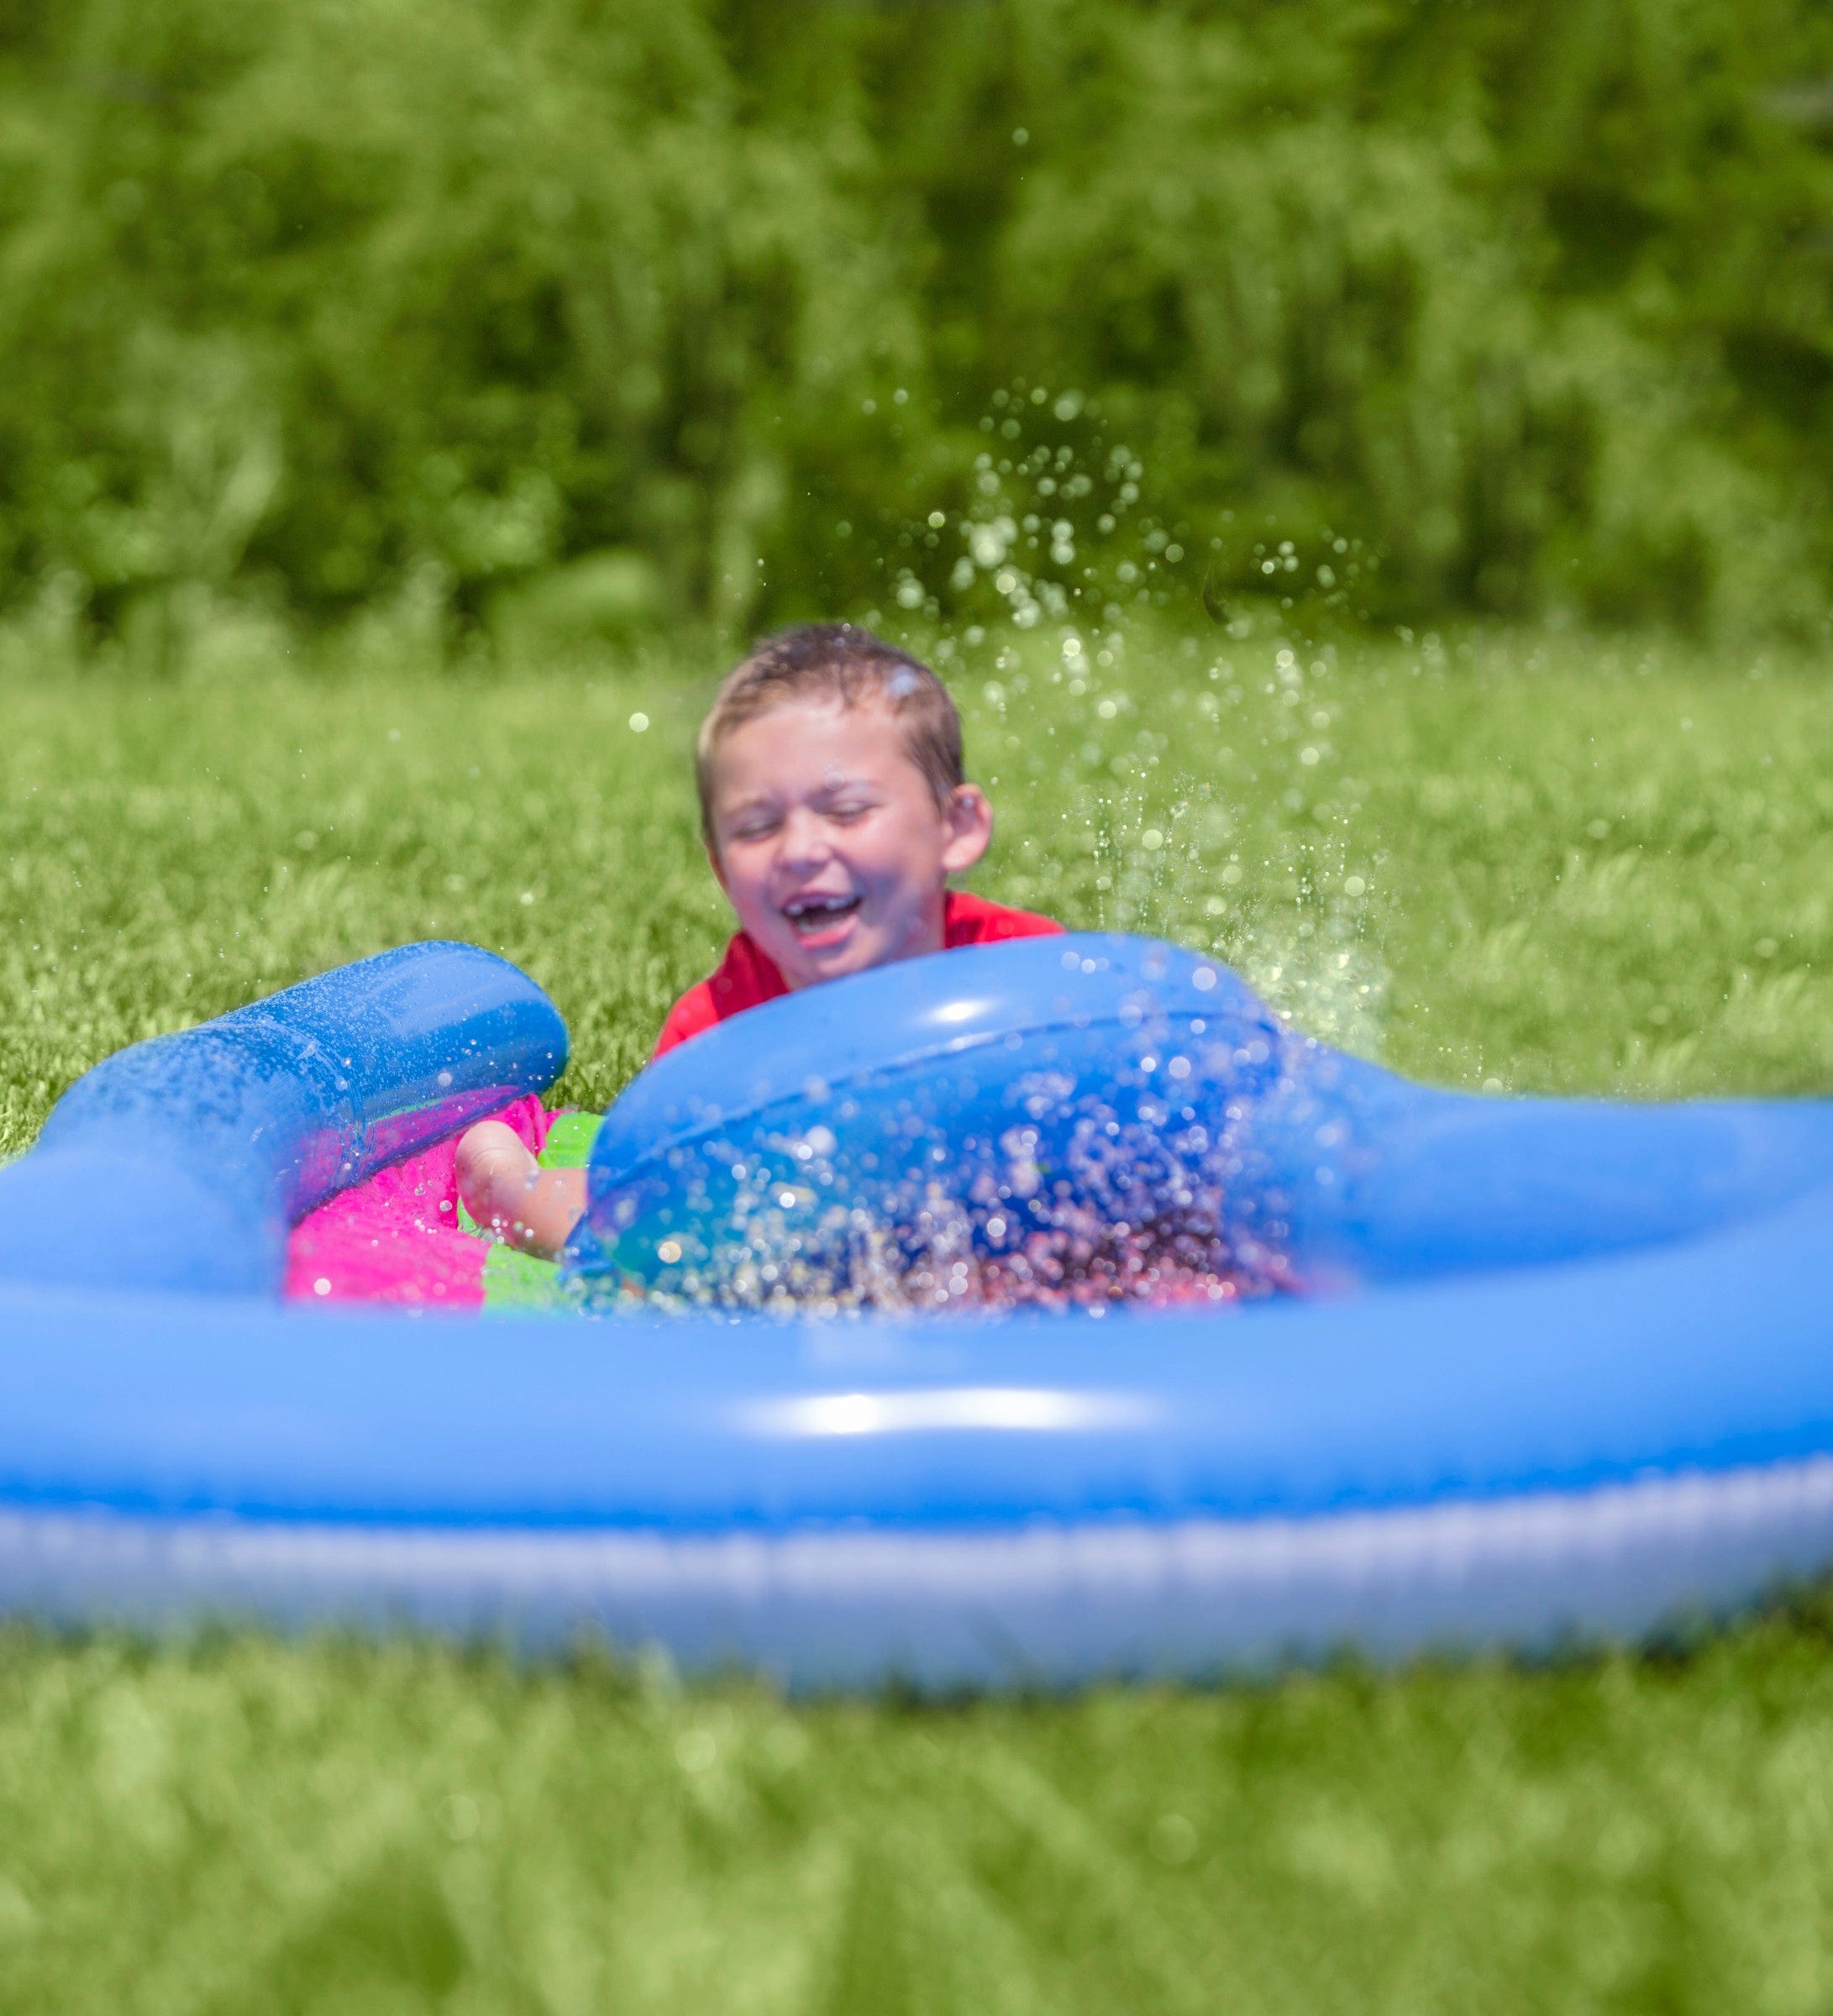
{"points": [[1041, 1408]]}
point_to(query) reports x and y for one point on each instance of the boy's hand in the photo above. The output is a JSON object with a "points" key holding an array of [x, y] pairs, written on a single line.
{"points": [[508, 1193]]}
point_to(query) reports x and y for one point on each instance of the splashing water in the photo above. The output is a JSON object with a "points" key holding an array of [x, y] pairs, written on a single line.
{"points": [[988, 1180], [1157, 706], [1119, 1212], [1148, 780]]}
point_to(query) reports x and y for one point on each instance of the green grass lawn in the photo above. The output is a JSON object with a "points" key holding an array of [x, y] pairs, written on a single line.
{"points": [[1527, 862]]}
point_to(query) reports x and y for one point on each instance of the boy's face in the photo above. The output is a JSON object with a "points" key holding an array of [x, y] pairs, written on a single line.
{"points": [[829, 842]]}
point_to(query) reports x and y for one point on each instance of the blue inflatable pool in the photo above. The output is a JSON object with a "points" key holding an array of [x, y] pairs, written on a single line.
{"points": [[1498, 1372]]}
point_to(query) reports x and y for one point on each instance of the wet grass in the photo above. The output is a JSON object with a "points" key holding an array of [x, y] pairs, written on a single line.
{"points": [[1546, 865]]}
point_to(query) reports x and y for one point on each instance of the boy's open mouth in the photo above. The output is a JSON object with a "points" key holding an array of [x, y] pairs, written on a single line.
{"points": [[817, 918]]}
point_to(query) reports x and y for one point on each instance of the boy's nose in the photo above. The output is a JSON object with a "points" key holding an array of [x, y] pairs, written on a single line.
{"points": [[802, 839]]}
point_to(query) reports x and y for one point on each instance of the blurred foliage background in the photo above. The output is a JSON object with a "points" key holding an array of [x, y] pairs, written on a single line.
{"points": [[560, 317]]}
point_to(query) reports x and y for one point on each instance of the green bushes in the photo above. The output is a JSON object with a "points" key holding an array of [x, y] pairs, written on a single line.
{"points": [[319, 303]]}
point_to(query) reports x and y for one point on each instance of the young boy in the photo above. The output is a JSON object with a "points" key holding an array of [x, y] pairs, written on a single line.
{"points": [[835, 811]]}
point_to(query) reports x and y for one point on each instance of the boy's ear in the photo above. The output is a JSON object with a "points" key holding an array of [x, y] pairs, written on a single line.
{"points": [[970, 819], [712, 862]]}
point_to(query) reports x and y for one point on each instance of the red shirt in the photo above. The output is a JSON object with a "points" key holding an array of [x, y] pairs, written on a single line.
{"points": [[747, 978]]}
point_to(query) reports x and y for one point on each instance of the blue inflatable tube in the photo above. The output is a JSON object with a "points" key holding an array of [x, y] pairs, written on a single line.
{"points": [[1133, 1076], [1563, 1368], [180, 1163]]}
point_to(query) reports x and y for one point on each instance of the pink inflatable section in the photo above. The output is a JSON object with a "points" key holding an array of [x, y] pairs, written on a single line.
{"points": [[398, 1237]]}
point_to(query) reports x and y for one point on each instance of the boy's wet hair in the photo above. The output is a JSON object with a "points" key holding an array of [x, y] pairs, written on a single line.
{"points": [[841, 663]]}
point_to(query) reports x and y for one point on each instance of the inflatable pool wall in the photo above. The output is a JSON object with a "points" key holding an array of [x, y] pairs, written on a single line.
{"points": [[180, 1163], [1587, 1381], [983, 1098], [923, 1120]]}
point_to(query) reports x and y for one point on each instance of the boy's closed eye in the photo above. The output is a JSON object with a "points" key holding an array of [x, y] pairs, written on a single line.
{"points": [[760, 823]]}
